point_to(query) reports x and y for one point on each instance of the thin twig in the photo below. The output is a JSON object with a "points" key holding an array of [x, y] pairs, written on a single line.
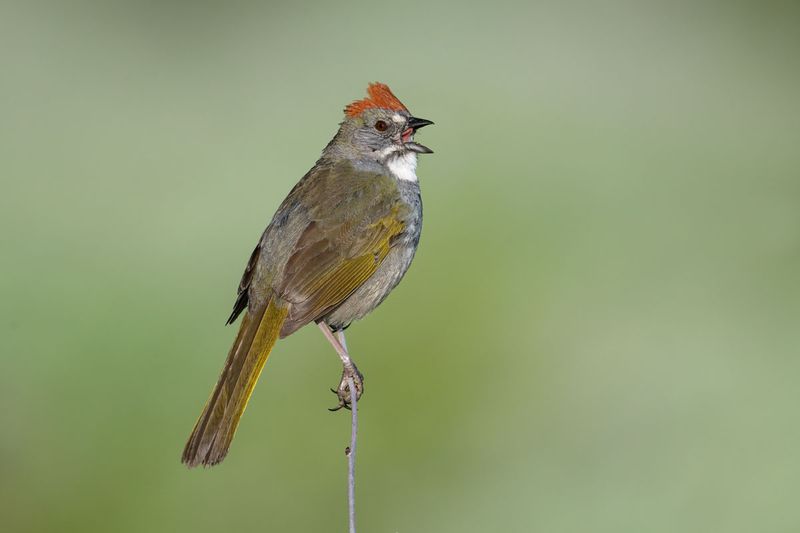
{"points": [[351, 462], [351, 450]]}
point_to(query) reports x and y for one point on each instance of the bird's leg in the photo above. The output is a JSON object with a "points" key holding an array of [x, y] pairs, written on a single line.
{"points": [[349, 369]]}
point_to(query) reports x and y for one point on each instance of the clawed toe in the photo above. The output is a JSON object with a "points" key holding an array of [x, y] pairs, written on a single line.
{"points": [[343, 392], [345, 405], [342, 403]]}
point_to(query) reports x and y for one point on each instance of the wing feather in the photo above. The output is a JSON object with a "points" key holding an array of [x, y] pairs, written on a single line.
{"points": [[323, 281]]}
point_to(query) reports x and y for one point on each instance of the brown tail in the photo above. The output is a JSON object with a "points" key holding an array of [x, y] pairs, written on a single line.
{"points": [[214, 430]]}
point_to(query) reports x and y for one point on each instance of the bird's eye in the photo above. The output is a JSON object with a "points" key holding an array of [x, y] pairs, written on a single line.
{"points": [[381, 125]]}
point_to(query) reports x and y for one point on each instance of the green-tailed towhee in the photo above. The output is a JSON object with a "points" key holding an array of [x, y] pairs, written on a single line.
{"points": [[336, 247]]}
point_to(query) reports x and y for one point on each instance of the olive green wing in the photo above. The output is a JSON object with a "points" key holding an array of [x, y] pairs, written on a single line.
{"points": [[351, 231]]}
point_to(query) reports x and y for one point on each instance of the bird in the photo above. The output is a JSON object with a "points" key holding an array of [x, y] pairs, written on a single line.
{"points": [[335, 248]]}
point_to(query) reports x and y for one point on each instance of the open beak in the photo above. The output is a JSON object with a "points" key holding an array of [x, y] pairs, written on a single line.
{"points": [[413, 124]]}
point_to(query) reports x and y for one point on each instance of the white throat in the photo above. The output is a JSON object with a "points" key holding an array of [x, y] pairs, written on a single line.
{"points": [[404, 167]]}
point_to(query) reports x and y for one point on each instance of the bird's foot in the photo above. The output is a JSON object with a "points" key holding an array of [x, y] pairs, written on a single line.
{"points": [[343, 391]]}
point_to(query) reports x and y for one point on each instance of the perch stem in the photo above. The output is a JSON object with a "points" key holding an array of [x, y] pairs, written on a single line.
{"points": [[351, 455]]}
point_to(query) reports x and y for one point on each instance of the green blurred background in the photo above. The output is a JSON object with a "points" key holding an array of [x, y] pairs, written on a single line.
{"points": [[600, 331]]}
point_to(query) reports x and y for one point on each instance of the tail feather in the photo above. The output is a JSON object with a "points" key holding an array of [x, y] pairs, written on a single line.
{"points": [[214, 430]]}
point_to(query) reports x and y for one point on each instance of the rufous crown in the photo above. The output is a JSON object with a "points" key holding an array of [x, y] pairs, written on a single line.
{"points": [[378, 95]]}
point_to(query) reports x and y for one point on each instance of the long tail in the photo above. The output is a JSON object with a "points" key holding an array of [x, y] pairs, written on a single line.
{"points": [[214, 430]]}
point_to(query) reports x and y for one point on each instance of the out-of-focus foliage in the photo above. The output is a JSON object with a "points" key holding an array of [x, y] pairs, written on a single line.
{"points": [[599, 333]]}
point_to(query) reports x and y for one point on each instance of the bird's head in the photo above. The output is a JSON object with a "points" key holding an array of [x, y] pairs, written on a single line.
{"points": [[379, 127]]}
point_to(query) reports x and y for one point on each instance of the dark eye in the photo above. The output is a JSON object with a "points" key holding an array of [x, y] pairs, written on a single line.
{"points": [[381, 125]]}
